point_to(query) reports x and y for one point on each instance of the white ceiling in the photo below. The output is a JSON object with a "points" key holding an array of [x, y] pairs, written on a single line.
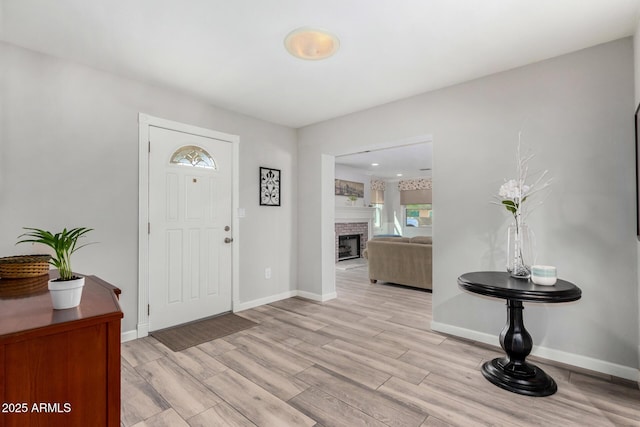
{"points": [[407, 160], [230, 52]]}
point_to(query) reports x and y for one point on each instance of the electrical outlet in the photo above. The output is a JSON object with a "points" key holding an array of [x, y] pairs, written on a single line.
{"points": [[267, 273]]}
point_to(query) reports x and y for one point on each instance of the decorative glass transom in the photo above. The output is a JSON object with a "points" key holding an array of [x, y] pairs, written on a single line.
{"points": [[191, 155]]}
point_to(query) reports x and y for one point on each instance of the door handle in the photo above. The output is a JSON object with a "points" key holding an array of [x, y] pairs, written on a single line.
{"points": [[228, 239]]}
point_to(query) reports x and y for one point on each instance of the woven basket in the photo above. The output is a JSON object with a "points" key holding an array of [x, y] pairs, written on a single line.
{"points": [[24, 266], [21, 288]]}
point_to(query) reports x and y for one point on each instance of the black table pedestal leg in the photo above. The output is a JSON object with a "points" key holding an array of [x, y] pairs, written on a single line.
{"points": [[512, 372]]}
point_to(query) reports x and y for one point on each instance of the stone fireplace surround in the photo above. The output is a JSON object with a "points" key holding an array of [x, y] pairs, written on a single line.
{"points": [[353, 220]]}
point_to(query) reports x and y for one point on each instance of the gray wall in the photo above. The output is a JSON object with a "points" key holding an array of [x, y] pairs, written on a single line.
{"points": [[69, 157], [355, 175], [575, 113]]}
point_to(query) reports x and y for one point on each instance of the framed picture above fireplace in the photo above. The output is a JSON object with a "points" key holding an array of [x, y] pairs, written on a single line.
{"points": [[349, 188]]}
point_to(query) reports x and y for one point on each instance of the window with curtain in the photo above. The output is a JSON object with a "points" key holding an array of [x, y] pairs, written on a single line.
{"points": [[415, 197], [418, 215]]}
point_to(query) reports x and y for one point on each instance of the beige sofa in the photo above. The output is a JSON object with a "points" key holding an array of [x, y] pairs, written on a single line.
{"points": [[400, 260]]}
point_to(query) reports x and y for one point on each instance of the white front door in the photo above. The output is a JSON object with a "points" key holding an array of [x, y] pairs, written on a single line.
{"points": [[189, 220]]}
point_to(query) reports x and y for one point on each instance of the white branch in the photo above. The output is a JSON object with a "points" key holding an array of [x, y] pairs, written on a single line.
{"points": [[522, 173]]}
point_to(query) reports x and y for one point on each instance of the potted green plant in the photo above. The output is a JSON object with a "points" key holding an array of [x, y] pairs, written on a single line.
{"points": [[66, 291]]}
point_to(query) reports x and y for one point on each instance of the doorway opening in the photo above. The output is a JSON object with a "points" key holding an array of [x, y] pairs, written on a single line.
{"points": [[385, 173]]}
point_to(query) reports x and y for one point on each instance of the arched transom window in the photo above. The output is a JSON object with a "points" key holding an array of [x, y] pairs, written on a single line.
{"points": [[191, 155]]}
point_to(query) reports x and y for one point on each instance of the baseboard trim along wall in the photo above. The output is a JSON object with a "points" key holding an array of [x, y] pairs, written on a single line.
{"points": [[128, 336], [544, 352], [143, 330], [262, 301], [317, 297], [295, 293]]}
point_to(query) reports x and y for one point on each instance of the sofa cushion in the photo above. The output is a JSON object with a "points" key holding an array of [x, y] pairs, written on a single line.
{"points": [[422, 239], [392, 239]]}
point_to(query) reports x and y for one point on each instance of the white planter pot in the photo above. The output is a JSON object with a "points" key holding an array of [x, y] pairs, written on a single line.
{"points": [[66, 294]]}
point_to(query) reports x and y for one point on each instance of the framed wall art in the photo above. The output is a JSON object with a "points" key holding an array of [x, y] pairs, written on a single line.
{"points": [[269, 187], [349, 188]]}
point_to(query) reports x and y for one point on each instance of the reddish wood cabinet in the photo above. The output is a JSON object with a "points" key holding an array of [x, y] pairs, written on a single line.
{"points": [[61, 367]]}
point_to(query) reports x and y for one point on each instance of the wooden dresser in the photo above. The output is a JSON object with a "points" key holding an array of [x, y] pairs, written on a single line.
{"points": [[61, 367]]}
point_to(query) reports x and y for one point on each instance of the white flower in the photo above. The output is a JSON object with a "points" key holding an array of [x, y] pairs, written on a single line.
{"points": [[511, 190], [514, 192]]}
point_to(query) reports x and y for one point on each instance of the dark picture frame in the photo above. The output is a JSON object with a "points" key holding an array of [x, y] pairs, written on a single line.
{"points": [[349, 188], [269, 186], [637, 128]]}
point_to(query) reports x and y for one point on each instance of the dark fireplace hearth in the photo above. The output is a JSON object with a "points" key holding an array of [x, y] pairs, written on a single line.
{"points": [[360, 229], [348, 247]]}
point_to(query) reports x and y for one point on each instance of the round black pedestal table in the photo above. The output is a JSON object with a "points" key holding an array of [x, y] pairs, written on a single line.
{"points": [[512, 372]]}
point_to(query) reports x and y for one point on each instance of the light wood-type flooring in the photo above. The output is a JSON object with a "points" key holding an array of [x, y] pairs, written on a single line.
{"points": [[366, 358]]}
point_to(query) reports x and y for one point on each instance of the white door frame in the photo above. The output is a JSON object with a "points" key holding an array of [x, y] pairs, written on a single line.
{"points": [[144, 122]]}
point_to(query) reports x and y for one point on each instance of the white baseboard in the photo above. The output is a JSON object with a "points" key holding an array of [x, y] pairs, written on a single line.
{"points": [[317, 297], [465, 333], [545, 352], [289, 294], [262, 301], [128, 336]]}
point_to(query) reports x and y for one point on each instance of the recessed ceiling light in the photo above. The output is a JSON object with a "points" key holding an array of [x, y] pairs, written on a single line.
{"points": [[311, 43], [375, 164], [398, 174]]}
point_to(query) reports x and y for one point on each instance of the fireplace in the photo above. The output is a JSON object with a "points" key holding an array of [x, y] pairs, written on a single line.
{"points": [[348, 246], [353, 220], [348, 229]]}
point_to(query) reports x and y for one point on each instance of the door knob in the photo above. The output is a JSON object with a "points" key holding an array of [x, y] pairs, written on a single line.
{"points": [[228, 239]]}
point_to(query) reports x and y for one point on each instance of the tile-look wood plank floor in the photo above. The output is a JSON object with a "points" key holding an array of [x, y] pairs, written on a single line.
{"points": [[366, 358]]}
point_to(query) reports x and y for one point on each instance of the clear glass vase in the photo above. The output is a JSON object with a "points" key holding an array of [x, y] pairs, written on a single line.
{"points": [[520, 250]]}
